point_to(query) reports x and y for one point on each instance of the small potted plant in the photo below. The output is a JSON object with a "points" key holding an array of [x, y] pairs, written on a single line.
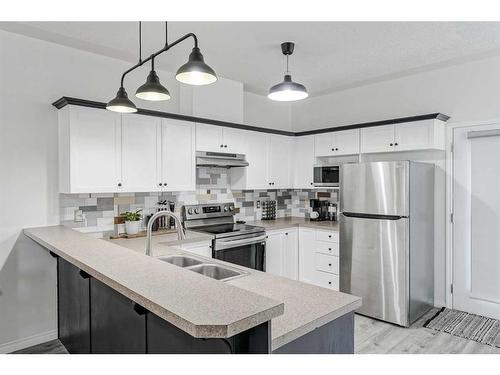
{"points": [[132, 221]]}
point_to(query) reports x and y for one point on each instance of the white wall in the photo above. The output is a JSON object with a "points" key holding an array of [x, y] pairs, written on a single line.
{"points": [[466, 92], [260, 111]]}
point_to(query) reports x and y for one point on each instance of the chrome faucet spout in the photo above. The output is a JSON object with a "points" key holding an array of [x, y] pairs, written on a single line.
{"points": [[181, 234]]}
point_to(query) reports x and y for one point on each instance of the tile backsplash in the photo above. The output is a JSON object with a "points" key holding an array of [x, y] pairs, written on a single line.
{"points": [[212, 186]]}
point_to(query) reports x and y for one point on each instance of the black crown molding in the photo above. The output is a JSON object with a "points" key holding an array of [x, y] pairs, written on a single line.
{"points": [[65, 100]]}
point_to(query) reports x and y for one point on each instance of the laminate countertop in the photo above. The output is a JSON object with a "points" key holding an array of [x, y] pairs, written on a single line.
{"points": [[200, 306], [293, 221]]}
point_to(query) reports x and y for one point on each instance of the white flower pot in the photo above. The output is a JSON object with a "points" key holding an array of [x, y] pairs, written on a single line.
{"points": [[132, 227]]}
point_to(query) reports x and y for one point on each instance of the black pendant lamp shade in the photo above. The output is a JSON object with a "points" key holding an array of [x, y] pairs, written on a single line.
{"points": [[152, 90], [287, 91], [196, 71], [121, 103]]}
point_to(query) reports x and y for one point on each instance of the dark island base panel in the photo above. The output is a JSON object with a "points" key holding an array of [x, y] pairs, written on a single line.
{"points": [[94, 318]]}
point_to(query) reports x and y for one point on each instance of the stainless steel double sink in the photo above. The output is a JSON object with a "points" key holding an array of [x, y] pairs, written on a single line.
{"points": [[214, 271]]}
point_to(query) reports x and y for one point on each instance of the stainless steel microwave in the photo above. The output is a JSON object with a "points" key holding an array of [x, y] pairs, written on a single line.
{"points": [[326, 175]]}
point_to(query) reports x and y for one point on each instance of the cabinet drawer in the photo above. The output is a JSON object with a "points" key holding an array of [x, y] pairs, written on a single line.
{"points": [[327, 263], [330, 248], [327, 235], [326, 280]]}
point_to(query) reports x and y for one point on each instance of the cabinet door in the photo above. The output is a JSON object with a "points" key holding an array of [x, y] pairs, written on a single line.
{"points": [[209, 138], [414, 135], [178, 155], [307, 240], [303, 162], [323, 144], [140, 153], [290, 254], [255, 175], [346, 142], [73, 308], [377, 139], [279, 162], [274, 253], [203, 249], [118, 325], [235, 140], [94, 150]]}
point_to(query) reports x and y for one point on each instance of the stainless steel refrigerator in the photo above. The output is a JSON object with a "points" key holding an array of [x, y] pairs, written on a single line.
{"points": [[387, 238]]}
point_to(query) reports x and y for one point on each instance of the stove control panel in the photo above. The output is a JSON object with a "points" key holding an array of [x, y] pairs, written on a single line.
{"points": [[205, 211]]}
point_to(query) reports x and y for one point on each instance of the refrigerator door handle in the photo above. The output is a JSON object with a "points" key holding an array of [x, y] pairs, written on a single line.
{"points": [[373, 216]]}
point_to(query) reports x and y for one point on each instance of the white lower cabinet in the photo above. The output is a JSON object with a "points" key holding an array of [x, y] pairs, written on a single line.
{"points": [[199, 248], [282, 253], [318, 257]]}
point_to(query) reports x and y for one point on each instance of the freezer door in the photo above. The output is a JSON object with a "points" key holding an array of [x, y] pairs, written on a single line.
{"points": [[374, 265], [375, 188]]}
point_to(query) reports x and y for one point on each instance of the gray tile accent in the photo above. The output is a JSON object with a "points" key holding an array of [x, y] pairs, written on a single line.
{"points": [[88, 208], [105, 204]]}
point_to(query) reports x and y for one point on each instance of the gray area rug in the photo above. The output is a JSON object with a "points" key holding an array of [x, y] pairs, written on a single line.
{"points": [[469, 326]]}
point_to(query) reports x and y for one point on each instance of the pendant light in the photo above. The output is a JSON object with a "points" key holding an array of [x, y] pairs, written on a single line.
{"points": [[152, 90], [194, 72], [287, 90]]}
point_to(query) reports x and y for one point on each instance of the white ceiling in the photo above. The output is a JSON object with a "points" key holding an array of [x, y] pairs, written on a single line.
{"points": [[328, 56]]}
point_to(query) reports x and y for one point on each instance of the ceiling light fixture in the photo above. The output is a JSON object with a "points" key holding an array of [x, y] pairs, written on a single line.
{"points": [[194, 72], [287, 90]]}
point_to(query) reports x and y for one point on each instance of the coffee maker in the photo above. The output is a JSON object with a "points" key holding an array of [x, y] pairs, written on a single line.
{"points": [[319, 209]]}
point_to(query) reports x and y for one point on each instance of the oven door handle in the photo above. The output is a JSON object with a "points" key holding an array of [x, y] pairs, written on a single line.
{"points": [[246, 241]]}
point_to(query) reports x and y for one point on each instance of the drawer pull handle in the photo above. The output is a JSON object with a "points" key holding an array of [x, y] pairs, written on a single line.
{"points": [[329, 236], [329, 249], [329, 283], [329, 264]]}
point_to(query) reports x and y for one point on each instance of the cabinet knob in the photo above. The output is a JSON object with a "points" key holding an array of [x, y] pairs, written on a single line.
{"points": [[221, 145], [120, 184], [225, 146], [329, 236], [164, 184], [312, 183], [329, 264], [329, 283], [329, 249], [160, 184], [286, 234], [336, 148], [395, 144], [390, 144]]}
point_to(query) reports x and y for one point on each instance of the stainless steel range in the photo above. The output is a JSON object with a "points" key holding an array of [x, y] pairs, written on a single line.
{"points": [[232, 242]]}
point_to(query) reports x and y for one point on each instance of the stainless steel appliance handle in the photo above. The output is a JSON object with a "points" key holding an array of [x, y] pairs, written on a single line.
{"points": [[246, 241]]}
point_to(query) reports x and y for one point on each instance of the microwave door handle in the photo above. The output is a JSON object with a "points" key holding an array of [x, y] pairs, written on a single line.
{"points": [[241, 242]]}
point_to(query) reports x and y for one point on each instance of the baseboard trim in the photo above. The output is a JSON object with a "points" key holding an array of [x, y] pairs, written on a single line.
{"points": [[26, 342]]}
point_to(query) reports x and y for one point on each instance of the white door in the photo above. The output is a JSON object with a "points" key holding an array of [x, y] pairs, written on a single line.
{"points": [[178, 155], [235, 140], [377, 139], [303, 162], [209, 138], [94, 151], [274, 253], [346, 142], [414, 135], [140, 153], [291, 254], [476, 227], [279, 162], [323, 144]]}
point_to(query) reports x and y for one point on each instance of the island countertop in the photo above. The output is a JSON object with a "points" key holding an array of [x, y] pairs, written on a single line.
{"points": [[228, 308]]}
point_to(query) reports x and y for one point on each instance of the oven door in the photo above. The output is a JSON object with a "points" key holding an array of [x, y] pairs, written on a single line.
{"points": [[326, 176], [248, 250]]}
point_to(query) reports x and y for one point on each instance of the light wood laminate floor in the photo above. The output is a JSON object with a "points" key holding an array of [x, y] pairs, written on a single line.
{"points": [[370, 337]]}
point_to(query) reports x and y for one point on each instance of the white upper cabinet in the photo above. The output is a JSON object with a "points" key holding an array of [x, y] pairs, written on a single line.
{"points": [[141, 161], [343, 142], [410, 136], [255, 175], [215, 138], [209, 138], [377, 139], [178, 172], [303, 162], [89, 150], [279, 165]]}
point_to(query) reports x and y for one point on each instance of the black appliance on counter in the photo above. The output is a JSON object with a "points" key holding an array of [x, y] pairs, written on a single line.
{"points": [[232, 242], [319, 209]]}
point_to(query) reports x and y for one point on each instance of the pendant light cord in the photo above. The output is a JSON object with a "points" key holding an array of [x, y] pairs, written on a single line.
{"points": [[166, 33], [287, 71], [140, 41]]}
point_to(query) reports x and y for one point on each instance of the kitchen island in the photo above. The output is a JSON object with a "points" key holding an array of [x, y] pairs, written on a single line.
{"points": [[175, 310]]}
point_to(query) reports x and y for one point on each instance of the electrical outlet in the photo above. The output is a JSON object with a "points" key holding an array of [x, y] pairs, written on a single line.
{"points": [[258, 204]]}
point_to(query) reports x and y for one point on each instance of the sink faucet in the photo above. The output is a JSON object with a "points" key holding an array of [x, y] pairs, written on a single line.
{"points": [[181, 234]]}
